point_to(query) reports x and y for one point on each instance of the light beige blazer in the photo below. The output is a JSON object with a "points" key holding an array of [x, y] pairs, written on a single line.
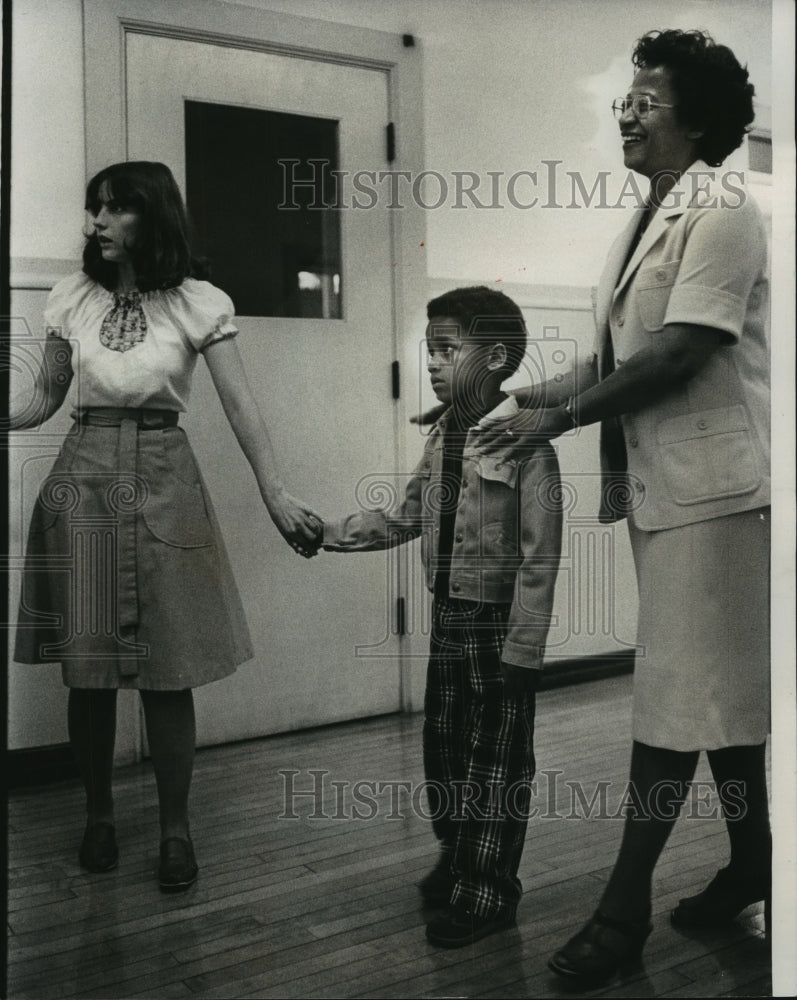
{"points": [[702, 450]]}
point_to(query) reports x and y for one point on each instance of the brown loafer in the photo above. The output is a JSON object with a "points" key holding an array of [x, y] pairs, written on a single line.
{"points": [[459, 926], [601, 950], [98, 850], [178, 868], [723, 899]]}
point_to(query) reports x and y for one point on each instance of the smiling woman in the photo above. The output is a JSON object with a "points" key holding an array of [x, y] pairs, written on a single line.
{"points": [[679, 382], [655, 142]]}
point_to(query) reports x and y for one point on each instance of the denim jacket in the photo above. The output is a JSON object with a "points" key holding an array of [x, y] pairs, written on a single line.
{"points": [[507, 530]]}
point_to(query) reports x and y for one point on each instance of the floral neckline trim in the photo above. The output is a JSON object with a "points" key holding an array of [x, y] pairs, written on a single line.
{"points": [[125, 325]]}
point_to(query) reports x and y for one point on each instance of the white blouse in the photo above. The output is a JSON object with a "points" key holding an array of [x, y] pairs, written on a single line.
{"points": [[126, 356]]}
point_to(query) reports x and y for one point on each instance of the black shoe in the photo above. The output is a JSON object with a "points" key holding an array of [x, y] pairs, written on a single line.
{"points": [[460, 926], [178, 868], [98, 851], [723, 899], [436, 887], [600, 950]]}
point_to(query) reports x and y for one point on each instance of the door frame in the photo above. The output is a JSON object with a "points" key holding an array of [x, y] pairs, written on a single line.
{"points": [[106, 25]]}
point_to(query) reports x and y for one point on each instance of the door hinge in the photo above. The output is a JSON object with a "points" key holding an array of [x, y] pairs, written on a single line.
{"points": [[395, 378], [391, 142], [401, 617]]}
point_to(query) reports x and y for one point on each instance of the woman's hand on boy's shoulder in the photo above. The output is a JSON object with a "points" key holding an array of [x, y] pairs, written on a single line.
{"points": [[524, 428]]}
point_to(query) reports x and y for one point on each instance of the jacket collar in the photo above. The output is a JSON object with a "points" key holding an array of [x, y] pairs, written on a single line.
{"points": [[506, 408], [695, 188]]}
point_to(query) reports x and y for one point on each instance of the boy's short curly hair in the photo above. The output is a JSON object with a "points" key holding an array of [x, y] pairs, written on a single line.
{"points": [[486, 315], [710, 84]]}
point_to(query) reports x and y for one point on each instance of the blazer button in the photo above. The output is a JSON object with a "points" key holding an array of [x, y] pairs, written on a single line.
{"points": [[620, 320], [702, 424], [458, 537], [634, 442], [456, 588], [661, 274]]}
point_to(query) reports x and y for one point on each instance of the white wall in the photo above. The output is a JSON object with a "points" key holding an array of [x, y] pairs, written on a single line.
{"points": [[47, 145], [508, 84]]}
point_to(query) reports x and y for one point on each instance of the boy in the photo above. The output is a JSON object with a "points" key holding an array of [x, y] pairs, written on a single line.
{"points": [[492, 536]]}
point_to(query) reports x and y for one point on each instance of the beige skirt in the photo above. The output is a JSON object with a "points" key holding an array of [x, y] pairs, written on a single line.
{"points": [[701, 679], [127, 583]]}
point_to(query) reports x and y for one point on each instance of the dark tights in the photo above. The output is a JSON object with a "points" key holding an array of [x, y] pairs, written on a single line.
{"points": [[661, 779], [171, 733]]}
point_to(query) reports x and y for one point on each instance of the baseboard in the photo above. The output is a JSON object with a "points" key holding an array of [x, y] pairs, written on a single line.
{"points": [[558, 673], [35, 766], [39, 766]]}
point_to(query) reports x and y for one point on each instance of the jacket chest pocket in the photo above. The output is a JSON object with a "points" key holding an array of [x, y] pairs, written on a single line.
{"points": [[652, 289], [498, 514], [495, 470]]}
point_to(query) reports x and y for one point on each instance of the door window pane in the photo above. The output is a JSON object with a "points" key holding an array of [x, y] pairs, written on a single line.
{"points": [[273, 242]]}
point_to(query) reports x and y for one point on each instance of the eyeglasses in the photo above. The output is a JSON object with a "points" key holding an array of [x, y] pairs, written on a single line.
{"points": [[640, 104]]}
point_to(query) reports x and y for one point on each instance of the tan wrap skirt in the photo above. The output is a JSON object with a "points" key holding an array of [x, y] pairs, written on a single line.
{"points": [[127, 582]]}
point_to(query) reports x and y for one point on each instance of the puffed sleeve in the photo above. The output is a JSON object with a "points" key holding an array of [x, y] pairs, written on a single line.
{"points": [[725, 255], [65, 296], [206, 313]]}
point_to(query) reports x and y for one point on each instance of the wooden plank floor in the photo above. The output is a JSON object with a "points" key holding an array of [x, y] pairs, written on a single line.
{"points": [[325, 904]]}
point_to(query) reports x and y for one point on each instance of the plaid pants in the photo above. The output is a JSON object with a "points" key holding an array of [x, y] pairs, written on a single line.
{"points": [[478, 755]]}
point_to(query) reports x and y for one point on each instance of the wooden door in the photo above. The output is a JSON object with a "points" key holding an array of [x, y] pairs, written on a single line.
{"points": [[322, 630]]}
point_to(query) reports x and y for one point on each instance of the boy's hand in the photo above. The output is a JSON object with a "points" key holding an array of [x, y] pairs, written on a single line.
{"points": [[519, 681]]}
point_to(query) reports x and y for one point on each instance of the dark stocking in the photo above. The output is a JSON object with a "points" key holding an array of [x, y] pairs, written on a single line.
{"points": [[659, 784], [740, 776], [91, 719], [171, 732]]}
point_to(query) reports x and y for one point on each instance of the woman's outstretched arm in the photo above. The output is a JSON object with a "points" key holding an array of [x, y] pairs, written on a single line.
{"points": [[299, 525]]}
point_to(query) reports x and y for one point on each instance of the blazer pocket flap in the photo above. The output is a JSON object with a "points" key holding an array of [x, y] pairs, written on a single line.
{"points": [[704, 423], [657, 275]]}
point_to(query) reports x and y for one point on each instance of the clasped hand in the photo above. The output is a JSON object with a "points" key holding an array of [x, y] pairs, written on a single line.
{"points": [[300, 526]]}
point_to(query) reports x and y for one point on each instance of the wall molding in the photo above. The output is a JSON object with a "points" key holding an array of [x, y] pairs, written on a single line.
{"points": [[40, 273], [572, 298]]}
